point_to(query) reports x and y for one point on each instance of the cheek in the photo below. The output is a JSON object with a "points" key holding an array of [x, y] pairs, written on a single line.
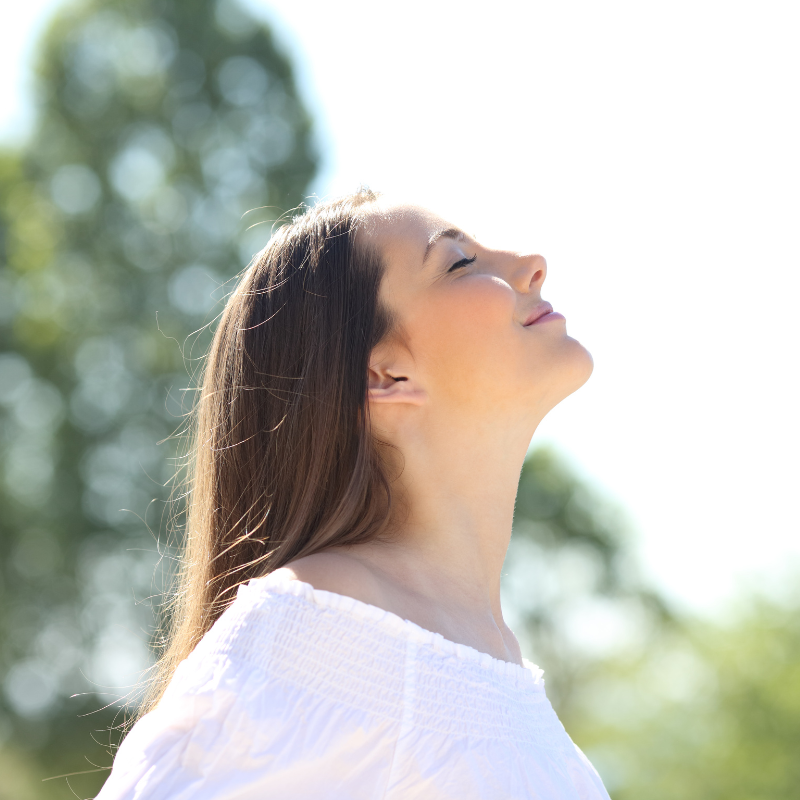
{"points": [[464, 333]]}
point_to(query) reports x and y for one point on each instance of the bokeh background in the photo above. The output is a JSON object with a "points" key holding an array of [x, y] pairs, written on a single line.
{"points": [[649, 150]]}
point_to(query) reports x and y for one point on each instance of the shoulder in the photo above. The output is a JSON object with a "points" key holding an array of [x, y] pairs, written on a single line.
{"points": [[339, 572], [279, 626]]}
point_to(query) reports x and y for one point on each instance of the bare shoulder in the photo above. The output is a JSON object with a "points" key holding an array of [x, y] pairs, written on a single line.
{"points": [[337, 571]]}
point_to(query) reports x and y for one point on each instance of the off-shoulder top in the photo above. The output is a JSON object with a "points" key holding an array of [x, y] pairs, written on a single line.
{"points": [[299, 693]]}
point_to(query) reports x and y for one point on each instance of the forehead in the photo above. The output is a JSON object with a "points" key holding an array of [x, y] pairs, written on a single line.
{"points": [[402, 230]]}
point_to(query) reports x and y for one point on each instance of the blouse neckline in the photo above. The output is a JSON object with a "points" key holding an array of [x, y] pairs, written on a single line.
{"points": [[280, 583]]}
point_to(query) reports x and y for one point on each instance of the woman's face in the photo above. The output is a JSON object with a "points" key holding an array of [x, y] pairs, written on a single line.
{"points": [[475, 335]]}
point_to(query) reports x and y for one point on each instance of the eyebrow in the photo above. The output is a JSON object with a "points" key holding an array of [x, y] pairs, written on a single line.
{"points": [[445, 233]]}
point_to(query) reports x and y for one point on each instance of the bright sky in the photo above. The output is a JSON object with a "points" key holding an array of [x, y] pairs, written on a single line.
{"points": [[650, 152]]}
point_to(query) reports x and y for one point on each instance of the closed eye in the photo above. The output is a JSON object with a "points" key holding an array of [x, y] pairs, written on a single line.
{"points": [[465, 262]]}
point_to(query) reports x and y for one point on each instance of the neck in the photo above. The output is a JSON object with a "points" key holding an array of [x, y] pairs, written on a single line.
{"points": [[457, 497]]}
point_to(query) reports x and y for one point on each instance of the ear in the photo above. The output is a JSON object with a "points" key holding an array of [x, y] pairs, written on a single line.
{"points": [[386, 386]]}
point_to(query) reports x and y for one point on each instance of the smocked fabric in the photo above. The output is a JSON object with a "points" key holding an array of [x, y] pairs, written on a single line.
{"points": [[300, 693]]}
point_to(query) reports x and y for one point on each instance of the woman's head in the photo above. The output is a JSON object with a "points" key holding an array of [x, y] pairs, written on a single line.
{"points": [[461, 350]]}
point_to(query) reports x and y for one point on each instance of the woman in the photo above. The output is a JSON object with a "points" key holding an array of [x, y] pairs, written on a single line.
{"points": [[368, 400]]}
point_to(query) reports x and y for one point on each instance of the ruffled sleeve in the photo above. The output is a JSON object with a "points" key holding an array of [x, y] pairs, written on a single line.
{"points": [[240, 720]]}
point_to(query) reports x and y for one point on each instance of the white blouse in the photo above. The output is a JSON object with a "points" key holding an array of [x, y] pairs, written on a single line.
{"points": [[299, 693]]}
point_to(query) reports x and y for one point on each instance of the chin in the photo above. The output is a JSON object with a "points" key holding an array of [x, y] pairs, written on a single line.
{"points": [[575, 365], [584, 363]]}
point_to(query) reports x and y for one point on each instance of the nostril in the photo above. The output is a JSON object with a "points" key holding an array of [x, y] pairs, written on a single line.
{"points": [[536, 269]]}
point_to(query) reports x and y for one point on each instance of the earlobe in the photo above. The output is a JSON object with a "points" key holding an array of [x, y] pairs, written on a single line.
{"points": [[385, 388], [393, 394]]}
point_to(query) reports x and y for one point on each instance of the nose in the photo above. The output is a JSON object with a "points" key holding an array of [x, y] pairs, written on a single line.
{"points": [[528, 273]]}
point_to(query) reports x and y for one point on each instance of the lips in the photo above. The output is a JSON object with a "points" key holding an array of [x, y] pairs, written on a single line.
{"points": [[540, 311]]}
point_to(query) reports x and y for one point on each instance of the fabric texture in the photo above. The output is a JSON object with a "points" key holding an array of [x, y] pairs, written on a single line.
{"points": [[300, 693]]}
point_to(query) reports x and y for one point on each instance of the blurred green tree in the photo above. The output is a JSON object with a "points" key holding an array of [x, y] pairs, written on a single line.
{"points": [[710, 711], [571, 587], [161, 124]]}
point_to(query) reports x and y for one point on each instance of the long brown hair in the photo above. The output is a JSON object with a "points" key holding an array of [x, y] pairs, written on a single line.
{"points": [[283, 463]]}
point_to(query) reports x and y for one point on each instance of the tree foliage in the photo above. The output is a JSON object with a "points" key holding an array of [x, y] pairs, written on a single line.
{"points": [[665, 706], [710, 711]]}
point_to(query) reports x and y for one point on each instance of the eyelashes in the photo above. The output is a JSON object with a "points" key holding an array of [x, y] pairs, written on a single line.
{"points": [[465, 262]]}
